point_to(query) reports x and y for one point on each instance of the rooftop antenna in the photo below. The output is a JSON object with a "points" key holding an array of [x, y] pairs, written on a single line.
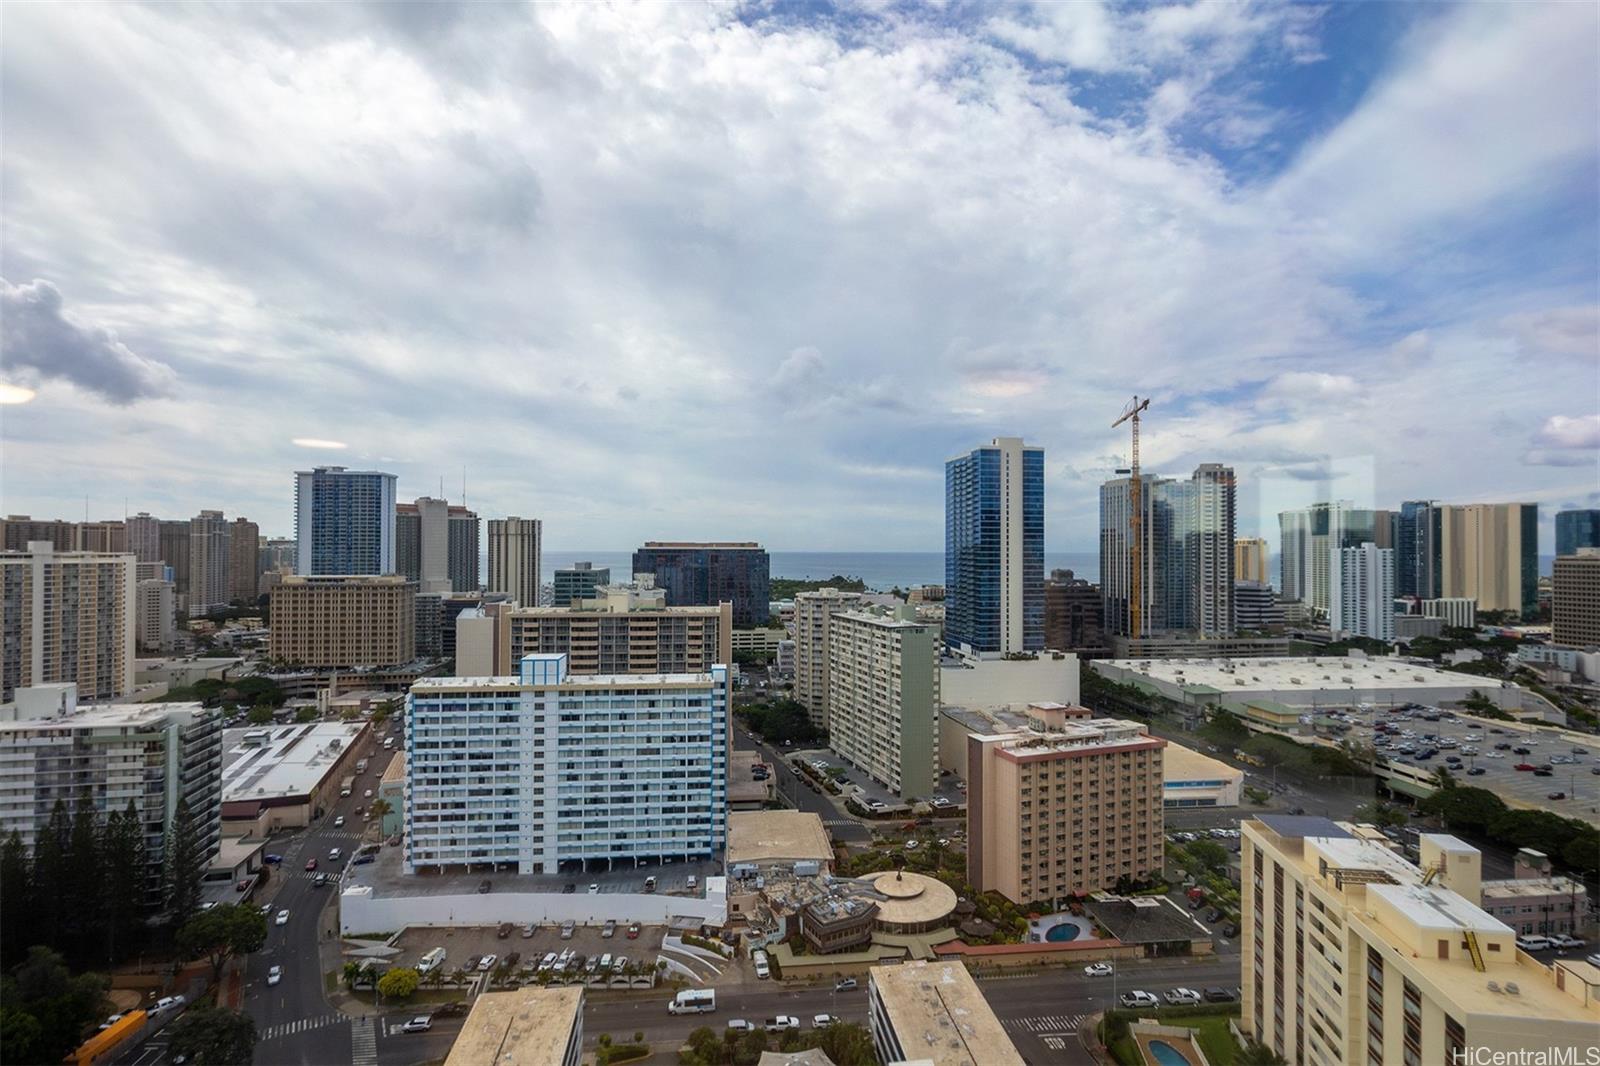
{"points": [[463, 484]]}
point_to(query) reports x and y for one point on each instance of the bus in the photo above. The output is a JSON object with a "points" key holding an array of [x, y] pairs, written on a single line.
{"points": [[111, 1040], [693, 1001]]}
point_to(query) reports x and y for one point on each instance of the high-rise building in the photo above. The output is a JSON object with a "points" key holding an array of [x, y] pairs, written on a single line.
{"points": [[1068, 806], [1490, 554], [578, 582], [1351, 954], [813, 614], [1361, 596], [1307, 537], [1575, 600], [157, 605], [1074, 615], [463, 543], [344, 521], [589, 769], [1577, 529], [175, 553], [934, 1013], [331, 621], [67, 616], [422, 543], [210, 563], [153, 754], [1208, 532], [883, 696], [702, 574], [17, 531], [1250, 560], [994, 547], [1116, 554], [1418, 567], [144, 538], [514, 547], [1385, 528], [277, 557], [1256, 607], [621, 630], [244, 568], [1188, 549], [109, 536]]}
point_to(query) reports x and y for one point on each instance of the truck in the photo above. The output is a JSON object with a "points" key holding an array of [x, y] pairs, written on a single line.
{"points": [[693, 1001], [361, 766], [347, 786]]}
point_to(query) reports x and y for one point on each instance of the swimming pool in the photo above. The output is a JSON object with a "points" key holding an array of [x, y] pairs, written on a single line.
{"points": [[1167, 1055], [1066, 929]]}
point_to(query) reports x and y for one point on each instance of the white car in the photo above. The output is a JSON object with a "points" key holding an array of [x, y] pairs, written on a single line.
{"points": [[367, 794], [339, 821], [739, 1025], [274, 975], [282, 918], [1562, 940], [547, 962], [420, 1024], [1097, 969], [822, 1021], [1594, 960], [1182, 997], [487, 962], [1137, 999], [782, 1023]]}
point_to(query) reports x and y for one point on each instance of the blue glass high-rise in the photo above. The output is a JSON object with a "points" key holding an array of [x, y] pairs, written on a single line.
{"points": [[994, 548], [344, 521]]}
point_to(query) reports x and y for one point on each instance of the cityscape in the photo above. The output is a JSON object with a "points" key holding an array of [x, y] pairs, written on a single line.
{"points": [[1239, 704]]}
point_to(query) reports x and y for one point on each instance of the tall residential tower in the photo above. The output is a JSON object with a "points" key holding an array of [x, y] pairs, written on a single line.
{"points": [[343, 521], [994, 547]]}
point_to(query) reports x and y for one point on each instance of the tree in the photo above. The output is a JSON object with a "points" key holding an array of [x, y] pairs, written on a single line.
{"points": [[60, 1005], [1443, 779], [306, 714], [123, 881], [845, 1044], [1208, 856], [747, 1052], [80, 891], [378, 808], [17, 894], [259, 715], [1258, 1055], [351, 974], [399, 983], [50, 849], [221, 933], [184, 864], [1381, 814], [215, 1036]]}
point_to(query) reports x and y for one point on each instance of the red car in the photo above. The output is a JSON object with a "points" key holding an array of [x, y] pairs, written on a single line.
{"points": [[633, 931], [311, 864], [1523, 766]]}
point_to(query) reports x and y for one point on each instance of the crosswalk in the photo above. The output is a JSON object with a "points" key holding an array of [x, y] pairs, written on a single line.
{"points": [[363, 1043], [273, 1032], [840, 823], [1046, 1023]]}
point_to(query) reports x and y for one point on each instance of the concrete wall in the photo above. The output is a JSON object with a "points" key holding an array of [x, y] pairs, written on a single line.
{"points": [[361, 912], [990, 683]]}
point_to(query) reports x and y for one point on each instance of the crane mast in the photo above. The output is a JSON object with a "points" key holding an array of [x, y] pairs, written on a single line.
{"points": [[1136, 554]]}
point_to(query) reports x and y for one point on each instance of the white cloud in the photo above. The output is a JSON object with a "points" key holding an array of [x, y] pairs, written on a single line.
{"points": [[1565, 431]]}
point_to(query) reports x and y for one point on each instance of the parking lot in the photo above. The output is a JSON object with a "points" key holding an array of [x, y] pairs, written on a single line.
{"points": [[464, 944], [1562, 775], [949, 794]]}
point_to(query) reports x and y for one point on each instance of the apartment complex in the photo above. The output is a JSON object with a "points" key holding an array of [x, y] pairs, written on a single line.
{"points": [[813, 613], [1074, 615], [343, 521], [143, 537], [1071, 805], [1490, 554], [436, 545], [994, 547], [1361, 592], [1351, 954], [156, 607], [1577, 529], [883, 696], [210, 563], [580, 581], [174, 542], [154, 754], [1575, 600], [934, 1013], [1250, 560], [67, 616], [244, 581], [1307, 539], [702, 574], [545, 767], [334, 621], [1256, 607], [1418, 544], [514, 558], [18, 531]]}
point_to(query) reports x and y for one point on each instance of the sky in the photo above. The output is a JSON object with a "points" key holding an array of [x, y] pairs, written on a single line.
{"points": [[754, 272]]}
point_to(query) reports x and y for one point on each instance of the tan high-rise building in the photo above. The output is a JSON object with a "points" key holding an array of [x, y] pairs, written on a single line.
{"points": [[144, 537], [333, 621], [623, 630], [1575, 600], [67, 616], [210, 562], [514, 557], [1070, 806], [883, 696], [812, 613], [157, 604], [109, 537], [1490, 554], [1352, 955], [18, 531], [244, 563], [1250, 560]]}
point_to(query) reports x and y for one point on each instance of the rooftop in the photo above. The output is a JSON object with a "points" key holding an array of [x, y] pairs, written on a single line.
{"points": [[1314, 673], [1533, 887], [911, 898], [106, 716], [528, 1027], [940, 1017], [1185, 764], [1144, 919], [396, 770], [291, 762], [1436, 908], [511, 681], [769, 836]]}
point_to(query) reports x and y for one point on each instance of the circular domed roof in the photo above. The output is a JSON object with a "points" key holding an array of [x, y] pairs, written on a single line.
{"points": [[913, 899]]}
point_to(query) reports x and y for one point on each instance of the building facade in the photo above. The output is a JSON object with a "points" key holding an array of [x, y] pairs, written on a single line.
{"points": [[210, 563], [883, 696], [1575, 600], [344, 522], [1462, 613], [144, 537], [18, 531], [934, 1013], [1070, 806], [1256, 608], [1250, 560], [813, 613], [1361, 596], [1577, 529], [1116, 555], [1307, 538], [67, 616], [514, 558], [696, 574], [1208, 539], [623, 631], [1351, 954], [157, 605], [276, 557], [1188, 553], [244, 567], [546, 767], [1490, 554], [578, 582], [994, 547], [332, 621], [109, 536], [1074, 615], [1418, 564], [436, 545]]}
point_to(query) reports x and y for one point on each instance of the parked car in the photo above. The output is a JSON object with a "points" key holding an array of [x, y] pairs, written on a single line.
{"points": [[633, 931], [609, 930], [1533, 942], [272, 860], [484, 886], [822, 1021], [1230, 930], [1476, 771], [282, 918], [1097, 969], [594, 890], [274, 975], [1562, 940], [782, 1023], [420, 1024], [1213, 915], [567, 890], [244, 885], [848, 984], [739, 1025], [504, 931], [486, 963], [1182, 997], [1558, 795], [528, 931], [1218, 995], [567, 929], [1137, 999]]}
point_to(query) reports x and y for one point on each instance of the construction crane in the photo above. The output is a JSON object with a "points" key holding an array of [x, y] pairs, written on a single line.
{"points": [[1131, 414]]}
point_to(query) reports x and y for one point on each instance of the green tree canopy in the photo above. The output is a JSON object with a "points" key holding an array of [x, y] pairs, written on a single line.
{"points": [[183, 865], [46, 1008], [215, 1036], [222, 933], [399, 983]]}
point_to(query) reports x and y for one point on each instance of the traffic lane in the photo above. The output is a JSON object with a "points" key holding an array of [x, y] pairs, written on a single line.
{"points": [[399, 1048], [621, 1019]]}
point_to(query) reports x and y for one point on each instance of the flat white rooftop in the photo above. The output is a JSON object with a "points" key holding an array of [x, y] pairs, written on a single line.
{"points": [[104, 716], [292, 762], [1435, 908], [1336, 673], [511, 681]]}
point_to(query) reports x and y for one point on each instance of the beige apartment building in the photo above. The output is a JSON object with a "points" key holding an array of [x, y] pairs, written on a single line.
{"points": [[1070, 805], [1575, 600], [1250, 560], [210, 562], [67, 616], [1353, 955], [812, 612], [339, 621], [244, 565], [883, 696], [514, 558], [1489, 554], [934, 1013]]}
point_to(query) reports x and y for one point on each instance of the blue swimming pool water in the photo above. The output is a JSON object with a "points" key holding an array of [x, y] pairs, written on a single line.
{"points": [[1167, 1055], [1065, 930]]}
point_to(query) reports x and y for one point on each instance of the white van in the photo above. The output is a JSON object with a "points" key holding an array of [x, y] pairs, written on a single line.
{"points": [[694, 882], [431, 961], [1533, 942], [693, 1001], [759, 959]]}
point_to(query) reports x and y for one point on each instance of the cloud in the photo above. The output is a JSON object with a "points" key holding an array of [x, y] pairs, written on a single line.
{"points": [[1565, 431], [36, 336], [1301, 387], [317, 442], [1573, 331], [14, 394]]}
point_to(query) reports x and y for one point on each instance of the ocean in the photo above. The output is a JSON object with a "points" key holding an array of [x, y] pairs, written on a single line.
{"points": [[880, 570]]}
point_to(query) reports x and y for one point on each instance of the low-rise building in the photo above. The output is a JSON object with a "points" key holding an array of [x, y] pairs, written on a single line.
{"points": [[760, 842], [831, 924], [330, 621], [1190, 779], [761, 642], [528, 1027], [1535, 901], [991, 682], [281, 776], [933, 1012]]}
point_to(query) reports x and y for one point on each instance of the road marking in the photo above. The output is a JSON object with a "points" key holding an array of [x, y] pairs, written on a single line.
{"points": [[1050, 1023], [282, 1029], [363, 1043], [1054, 1043]]}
